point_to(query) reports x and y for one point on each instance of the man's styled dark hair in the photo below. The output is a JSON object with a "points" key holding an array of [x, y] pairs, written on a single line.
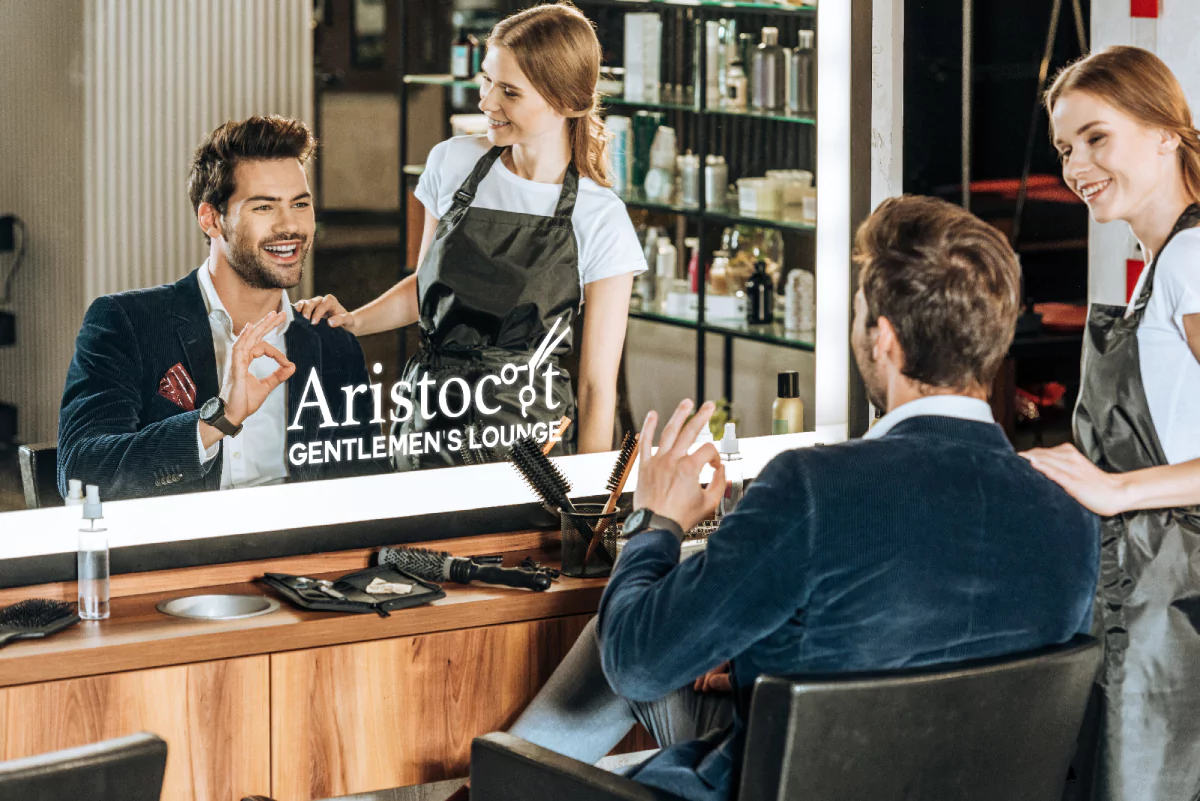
{"points": [[948, 282], [210, 179]]}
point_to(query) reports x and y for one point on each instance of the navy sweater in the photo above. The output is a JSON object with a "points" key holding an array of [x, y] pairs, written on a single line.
{"points": [[935, 543]]}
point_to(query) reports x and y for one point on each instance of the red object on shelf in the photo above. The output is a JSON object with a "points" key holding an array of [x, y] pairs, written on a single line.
{"points": [[1144, 9], [1048, 188], [1133, 271], [1066, 317]]}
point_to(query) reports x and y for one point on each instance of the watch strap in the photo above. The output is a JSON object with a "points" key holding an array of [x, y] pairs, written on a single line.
{"points": [[659, 522], [223, 424]]}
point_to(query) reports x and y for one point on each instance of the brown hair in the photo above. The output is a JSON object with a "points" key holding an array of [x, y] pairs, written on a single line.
{"points": [[1138, 83], [210, 178], [557, 49], [948, 283]]}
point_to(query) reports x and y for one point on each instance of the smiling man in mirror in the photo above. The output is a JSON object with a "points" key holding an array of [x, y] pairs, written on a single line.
{"points": [[188, 386]]}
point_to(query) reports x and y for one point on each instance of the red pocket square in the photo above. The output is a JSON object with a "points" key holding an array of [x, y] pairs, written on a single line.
{"points": [[177, 386]]}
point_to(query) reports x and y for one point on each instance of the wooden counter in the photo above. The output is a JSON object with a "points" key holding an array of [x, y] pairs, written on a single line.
{"points": [[294, 704]]}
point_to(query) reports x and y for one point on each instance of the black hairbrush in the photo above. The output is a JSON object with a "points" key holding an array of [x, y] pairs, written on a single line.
{"points": [[542, 475], [481, 455], [441, 566], [34, 618]]}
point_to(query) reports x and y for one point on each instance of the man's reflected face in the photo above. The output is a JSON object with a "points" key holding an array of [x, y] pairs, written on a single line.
{"points": [[861, 342], [269, 223]]}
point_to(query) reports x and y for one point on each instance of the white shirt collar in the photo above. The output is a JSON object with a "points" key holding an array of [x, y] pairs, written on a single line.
{"points": [[959, 406], [214, 306]]}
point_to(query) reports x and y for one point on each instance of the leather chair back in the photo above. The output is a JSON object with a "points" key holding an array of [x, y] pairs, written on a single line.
{"points": [[39, 475], [126, 769], [991, 730]]}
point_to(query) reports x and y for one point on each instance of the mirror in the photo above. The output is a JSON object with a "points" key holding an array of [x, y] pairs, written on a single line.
{"points": [[498, 355]]}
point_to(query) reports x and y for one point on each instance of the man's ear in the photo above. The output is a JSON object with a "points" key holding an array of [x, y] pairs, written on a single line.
{"points": [[209, 220], [887, 344]]}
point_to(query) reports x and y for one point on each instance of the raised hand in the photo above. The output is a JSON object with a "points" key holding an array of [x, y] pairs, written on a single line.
{"points": [[669, 480], [245, 392]]}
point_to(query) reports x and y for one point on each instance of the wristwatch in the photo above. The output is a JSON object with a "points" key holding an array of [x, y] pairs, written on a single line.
{"points": [[645, 520], [213, 413]]}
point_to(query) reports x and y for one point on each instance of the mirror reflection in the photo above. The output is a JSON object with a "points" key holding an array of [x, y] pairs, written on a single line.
{"points": [[385, 241]]}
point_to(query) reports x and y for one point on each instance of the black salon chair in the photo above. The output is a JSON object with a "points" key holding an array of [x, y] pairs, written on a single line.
{"points": [[39, 475], [991, 730], [126, 769]]}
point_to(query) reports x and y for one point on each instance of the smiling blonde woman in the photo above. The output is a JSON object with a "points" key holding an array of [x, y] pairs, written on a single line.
{"points": [[1130, 150], [521, 229]]}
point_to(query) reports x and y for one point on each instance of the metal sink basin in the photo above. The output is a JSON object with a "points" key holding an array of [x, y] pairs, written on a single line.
{"points": [[218, 607]]}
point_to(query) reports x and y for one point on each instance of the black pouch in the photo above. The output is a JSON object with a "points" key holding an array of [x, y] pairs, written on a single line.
{"points": [[303, 592]]}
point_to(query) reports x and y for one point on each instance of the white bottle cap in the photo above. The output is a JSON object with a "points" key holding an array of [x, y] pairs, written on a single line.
{"points": [[729, 442], [74, 491], [91, 507], [705, 437]]}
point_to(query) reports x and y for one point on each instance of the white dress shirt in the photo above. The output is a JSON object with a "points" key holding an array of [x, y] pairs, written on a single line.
{"points": [[257, 455], [959, 406]]}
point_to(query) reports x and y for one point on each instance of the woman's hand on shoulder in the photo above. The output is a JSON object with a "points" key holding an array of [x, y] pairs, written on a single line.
{"points": [[1103, 493], [326, 306]]}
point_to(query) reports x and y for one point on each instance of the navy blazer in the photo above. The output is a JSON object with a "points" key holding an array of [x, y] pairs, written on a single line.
{"points": [[116, 431], [934, 543]]}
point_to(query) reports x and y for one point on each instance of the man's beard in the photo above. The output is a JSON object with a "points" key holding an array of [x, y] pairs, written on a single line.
{"points": [[873, 381], [253, 267]]}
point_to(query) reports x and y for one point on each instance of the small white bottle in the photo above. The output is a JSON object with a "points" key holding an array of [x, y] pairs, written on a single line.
{"points": [[731, 457], [93, 561], [74, 493], [665, 270]]}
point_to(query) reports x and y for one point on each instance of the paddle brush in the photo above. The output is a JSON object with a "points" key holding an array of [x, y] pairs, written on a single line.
{"points": [[626, 458], [34, 618], [441, 566]]}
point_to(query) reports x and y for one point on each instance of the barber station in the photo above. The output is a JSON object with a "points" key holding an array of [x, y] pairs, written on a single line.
{"points": [[645, 400]]}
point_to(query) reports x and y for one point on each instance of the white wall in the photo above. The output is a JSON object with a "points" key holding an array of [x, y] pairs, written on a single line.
{"points": [[1175, 37], [41, 181], [101, 104]]}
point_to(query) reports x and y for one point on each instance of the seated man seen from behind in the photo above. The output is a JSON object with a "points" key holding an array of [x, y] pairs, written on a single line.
{"points": [[198, 385], [929, 541]]}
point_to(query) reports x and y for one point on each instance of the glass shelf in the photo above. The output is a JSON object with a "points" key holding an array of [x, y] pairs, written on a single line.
{"points": [[771, 333], [778, 116], [441, 80], [790, 221], [660, 317]]}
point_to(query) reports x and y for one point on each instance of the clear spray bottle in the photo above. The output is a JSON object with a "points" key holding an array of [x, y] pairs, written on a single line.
{"points": [[93, 560], [731, 458]]}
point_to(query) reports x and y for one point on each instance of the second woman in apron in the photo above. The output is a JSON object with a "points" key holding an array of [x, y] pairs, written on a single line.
{"points": [[1131, 151], [520, 231]]}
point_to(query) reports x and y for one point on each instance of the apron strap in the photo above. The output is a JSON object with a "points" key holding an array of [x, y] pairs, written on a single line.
{"points": [[466, 192], [1189, 219], [570, 190]]}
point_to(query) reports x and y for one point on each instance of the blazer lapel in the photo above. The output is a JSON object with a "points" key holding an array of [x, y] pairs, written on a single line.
{"points": [[304, 351], [195, 337]]}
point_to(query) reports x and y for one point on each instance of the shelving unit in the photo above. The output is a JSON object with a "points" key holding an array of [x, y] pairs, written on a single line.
{"points": [[840, 400]]}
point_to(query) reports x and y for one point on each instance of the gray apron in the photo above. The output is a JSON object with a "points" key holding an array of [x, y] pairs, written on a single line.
{"points": [[1149, 593], [497, 291]]}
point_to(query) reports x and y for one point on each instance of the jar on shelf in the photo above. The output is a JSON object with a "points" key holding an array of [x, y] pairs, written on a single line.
{"points": [[745, 245]]}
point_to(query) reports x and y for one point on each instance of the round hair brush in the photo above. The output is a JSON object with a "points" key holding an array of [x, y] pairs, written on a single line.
{"points": [[441, 566], [542, 475]]}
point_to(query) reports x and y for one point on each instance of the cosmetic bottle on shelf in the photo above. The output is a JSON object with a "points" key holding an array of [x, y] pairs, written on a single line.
{"points": [[801, 76], [737, 87], [770, 73], [461, 56], [787, 412], [660, 180], [93, 561], [665, 268], [760, 296]]}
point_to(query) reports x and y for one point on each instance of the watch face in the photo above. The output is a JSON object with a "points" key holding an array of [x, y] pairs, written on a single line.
{"points": [[210, 408], [636, 521]]}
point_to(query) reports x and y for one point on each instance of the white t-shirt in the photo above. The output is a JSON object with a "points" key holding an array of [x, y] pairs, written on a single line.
{"points": [[604, 234], [1170, 371]]}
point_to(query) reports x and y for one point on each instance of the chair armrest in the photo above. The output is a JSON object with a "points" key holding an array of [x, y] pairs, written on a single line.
{"points": [[507, 768]]}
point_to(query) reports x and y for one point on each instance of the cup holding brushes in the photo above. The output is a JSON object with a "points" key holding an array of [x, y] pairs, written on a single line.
{"points": [[34, 618], [441, 566]]}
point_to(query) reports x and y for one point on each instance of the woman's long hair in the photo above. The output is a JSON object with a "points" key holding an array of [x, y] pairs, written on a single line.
{"points": [[1138, 83], [557, 49]]}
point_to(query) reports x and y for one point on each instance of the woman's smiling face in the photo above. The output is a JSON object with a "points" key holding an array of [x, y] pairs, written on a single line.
{"points": [[1110, 160], [516, 113]]}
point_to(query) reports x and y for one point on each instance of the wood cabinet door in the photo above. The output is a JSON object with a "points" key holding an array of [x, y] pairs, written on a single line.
{"points": [[392, 713], [213, 715]]}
